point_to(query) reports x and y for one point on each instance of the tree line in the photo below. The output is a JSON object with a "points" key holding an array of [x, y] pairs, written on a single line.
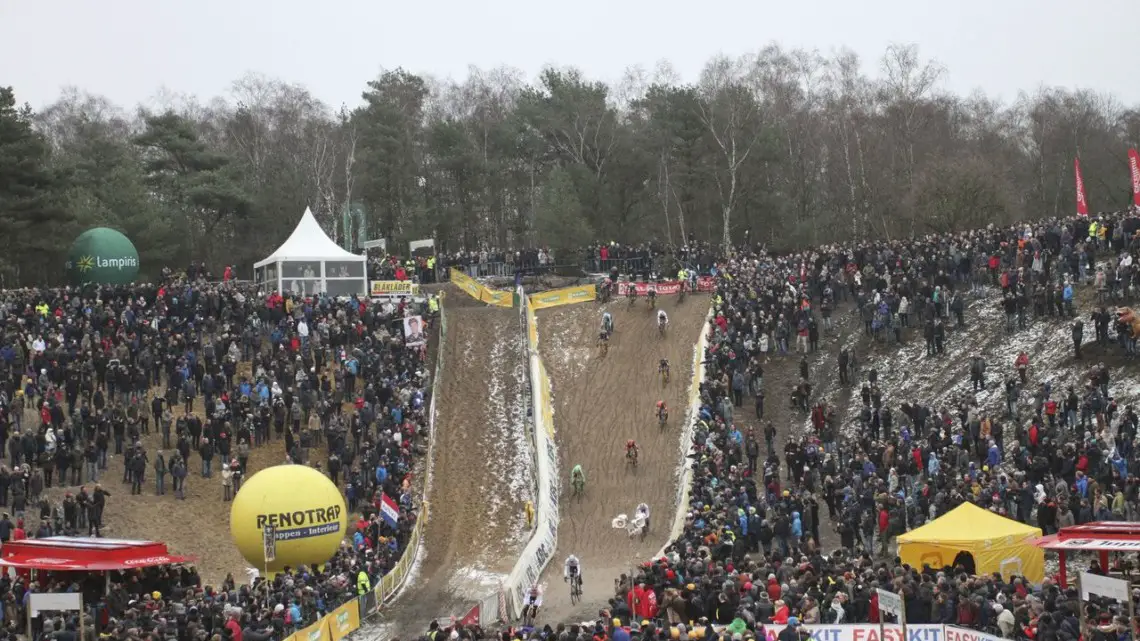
{"points": [[785, 147]]}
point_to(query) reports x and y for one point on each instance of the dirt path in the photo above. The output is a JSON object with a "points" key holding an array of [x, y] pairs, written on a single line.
{"points": [[481, 475], [599, 403]]}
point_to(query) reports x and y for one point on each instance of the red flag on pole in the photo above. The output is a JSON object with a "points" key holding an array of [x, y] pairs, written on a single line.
{"points": [[1134, 166], [1082, 200]]}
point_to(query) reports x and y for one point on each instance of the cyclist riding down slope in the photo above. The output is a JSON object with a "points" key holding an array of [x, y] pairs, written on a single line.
{"points": [[651, 294], [533, 601], [662, 319], [578, 477], [572, 568], [662, 411], [607, 323], [663, 366], [631, 451]]}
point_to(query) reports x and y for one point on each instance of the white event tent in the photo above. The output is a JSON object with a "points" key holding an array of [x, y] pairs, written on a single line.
{"points": [[309, 262]]}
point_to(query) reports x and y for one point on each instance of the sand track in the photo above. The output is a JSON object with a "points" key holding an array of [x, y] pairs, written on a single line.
{"points": [[475, 532], [599, 403]]}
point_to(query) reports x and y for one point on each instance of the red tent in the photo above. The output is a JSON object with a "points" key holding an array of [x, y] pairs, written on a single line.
{"points": [[83, 553]]}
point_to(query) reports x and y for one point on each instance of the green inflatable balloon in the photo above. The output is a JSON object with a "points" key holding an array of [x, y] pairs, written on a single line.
{"points": [[102, 256]]}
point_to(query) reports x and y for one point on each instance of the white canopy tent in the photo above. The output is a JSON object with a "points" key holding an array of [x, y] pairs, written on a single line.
{"points": [[309, 262]]}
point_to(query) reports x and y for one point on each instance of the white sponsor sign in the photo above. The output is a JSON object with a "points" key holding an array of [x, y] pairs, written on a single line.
{"points": [[891, 603], [1094, 544], [1104, 586], [52, 602]]}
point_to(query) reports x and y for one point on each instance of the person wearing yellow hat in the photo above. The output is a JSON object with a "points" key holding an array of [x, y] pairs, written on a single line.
{"points": [[156, 595]]}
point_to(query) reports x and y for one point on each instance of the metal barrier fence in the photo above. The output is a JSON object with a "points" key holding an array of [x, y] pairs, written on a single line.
{"points": [[508, 269], [624, 265]]}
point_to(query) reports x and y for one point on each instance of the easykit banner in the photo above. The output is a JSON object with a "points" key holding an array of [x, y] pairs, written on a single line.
{"points": [[344, 620], [669, 287], [872, 632], [394, 288], [954, 633], [564, 296]]}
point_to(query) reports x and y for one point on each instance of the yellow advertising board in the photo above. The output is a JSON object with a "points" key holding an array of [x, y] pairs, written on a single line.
{"points": [[319, 631], [531, 327], [497, 297], [564, 296], [344, 620], [547, 407], [466, 283], [394, 288]]}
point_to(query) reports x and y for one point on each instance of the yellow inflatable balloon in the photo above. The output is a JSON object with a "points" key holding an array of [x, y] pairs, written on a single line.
{"points": [[304, 508]]}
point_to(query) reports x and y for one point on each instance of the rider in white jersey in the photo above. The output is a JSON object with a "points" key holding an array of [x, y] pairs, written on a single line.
{"points": [[662, 317], [572, 567]]}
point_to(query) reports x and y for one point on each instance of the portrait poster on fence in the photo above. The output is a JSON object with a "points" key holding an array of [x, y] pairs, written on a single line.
{"points": [[414, 331]]}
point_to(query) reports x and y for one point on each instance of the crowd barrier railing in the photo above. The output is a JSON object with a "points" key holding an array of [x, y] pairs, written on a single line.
{"points": [[692, 415], [539, 550], [624, 265]]}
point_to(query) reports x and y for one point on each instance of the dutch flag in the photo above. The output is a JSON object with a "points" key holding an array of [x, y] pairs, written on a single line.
{"points": [[389, 510]]}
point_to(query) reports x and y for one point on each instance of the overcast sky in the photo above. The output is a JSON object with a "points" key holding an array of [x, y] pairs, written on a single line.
{"points": [[128, 49]]}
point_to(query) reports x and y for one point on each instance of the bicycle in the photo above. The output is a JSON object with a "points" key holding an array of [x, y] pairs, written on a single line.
{"points": [[579, 487], [662, 417], [530, 612], [664, 371], [681, 294], [661, 328], [603, 347], [652, 302], [631, 456], [631, 294], [575, 589]]}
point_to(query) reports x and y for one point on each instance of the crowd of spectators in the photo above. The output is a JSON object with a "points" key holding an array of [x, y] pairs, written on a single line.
{"points": [[186, 380], [767, 499], [752, 551], [643, 260]]}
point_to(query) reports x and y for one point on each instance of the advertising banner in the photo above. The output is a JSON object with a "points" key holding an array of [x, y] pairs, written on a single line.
{"points": [[344, 620], [394, 288], [666, 288], [873, 632], [479, 292], [954, 633], [466, 283], [564, 296], [538, 551], [497, 297], [319, 631]]}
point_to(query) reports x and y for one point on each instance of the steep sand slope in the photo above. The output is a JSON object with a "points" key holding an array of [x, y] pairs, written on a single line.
{"points": [[599, 403]]}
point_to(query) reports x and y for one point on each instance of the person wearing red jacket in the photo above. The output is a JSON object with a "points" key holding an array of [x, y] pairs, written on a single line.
{"points": [[635, 598], [884, 526], [234, 627]]}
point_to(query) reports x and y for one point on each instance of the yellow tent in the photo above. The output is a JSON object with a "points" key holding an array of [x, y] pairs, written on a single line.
{"points": [[997, 544]]}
